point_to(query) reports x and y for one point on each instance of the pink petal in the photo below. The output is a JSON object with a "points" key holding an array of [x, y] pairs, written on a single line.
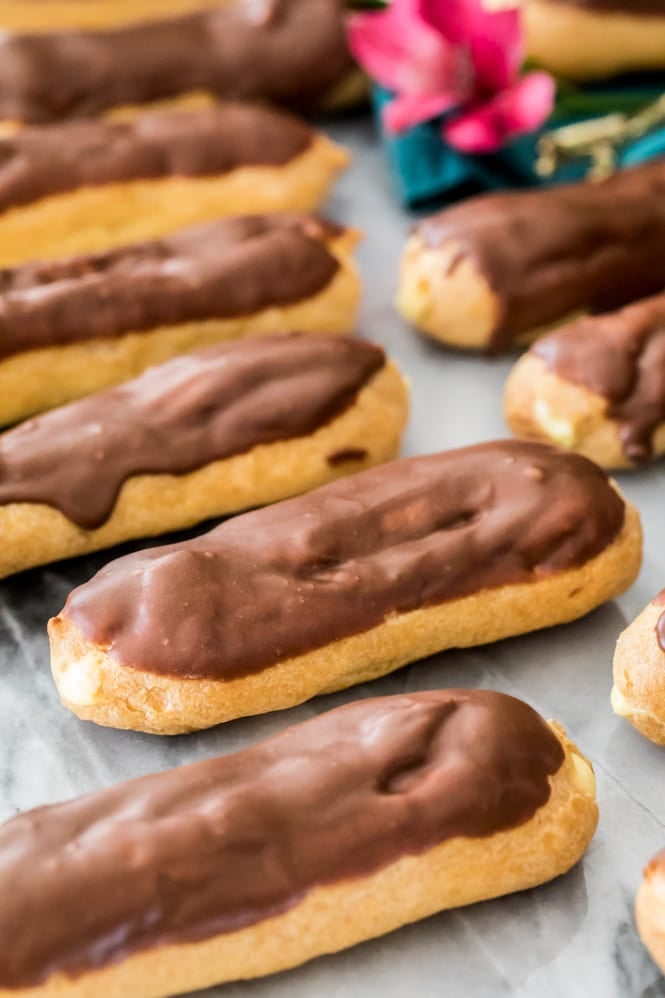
{"points": [[494, 38], [378, 44], [456, 20], [403, 53], [412, 109], [519, 109], [497, 50]]}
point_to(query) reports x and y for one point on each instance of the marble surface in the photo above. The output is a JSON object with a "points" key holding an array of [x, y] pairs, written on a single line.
{"points": [[574, 938]]}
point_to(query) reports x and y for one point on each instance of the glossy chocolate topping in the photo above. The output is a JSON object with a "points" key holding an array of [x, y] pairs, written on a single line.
{"points": [[547, 254], [620, 357], [234, 267], [660, 626], [652, 7], [181, 416], [301, 574], [286, 51], [216, 846], [39, 162]]}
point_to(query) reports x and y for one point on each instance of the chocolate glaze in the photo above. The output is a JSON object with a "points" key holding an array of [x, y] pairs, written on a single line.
{"points": [[181, 416], [660, 625], [546, 254], [347, 454], [234, 267], [620, 357], [39, 162], [286, 51], [649, 7], [216, 846], [301, 574]]}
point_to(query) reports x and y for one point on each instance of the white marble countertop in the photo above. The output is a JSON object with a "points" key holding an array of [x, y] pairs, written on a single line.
{"points": [[574, 938]]}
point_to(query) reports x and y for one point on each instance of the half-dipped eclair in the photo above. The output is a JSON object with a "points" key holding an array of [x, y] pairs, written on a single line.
{"points": [[596, 386], [290, 52], [70, 327], [335, 831], [343, 585], [80, 187], [497, 270], [217, 431], [593, 39], [638, 693]]}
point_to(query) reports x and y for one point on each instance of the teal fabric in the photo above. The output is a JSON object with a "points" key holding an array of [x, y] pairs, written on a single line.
{"points": [[427, 171]]}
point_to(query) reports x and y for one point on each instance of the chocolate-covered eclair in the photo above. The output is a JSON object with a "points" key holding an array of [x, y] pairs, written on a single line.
{"points": [[85, 186], [290, 52], [638, 693], [344, 584], [592, 39], [210, 433], [337, 830], [596, 386], [498, 269], [70, 327]]}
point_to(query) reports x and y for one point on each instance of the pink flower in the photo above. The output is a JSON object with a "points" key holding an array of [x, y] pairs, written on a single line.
{"points": [[453, 57]]}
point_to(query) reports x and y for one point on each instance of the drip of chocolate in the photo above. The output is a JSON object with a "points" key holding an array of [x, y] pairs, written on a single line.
{"points": [[285, 51], [345, 455], [182, 416], [301, 574], [214, 847], [547, 254], [234, 267], [660, 626], [38, 163], [621, 358], [655, 8]]}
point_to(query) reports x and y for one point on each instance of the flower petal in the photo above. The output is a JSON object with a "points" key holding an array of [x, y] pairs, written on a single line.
{"points": [[456, 20], [379, 44], [518, 109], [405, 54], [494, 38], [413, 109], [498, 51]]}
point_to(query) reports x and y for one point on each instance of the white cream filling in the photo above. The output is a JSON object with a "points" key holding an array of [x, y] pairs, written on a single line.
{"points": [[557, 429], [583, 776], [79, 682]]}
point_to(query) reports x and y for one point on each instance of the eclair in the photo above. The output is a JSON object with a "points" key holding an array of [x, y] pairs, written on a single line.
{"points": [[638, 693], [344, 584], [217, 431], [596, 386], [289, 52], [80, 187], [335, 831], [495, 271], [650, 909], [593, 39], [70, 327]]}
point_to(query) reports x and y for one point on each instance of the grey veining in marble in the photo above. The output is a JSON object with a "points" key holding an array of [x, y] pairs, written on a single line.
{"points": [[574, 938]]}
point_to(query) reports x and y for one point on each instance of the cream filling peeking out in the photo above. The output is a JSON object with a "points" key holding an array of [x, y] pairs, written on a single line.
{"points": [[80, 681], [582, 775], [557, 429]]}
